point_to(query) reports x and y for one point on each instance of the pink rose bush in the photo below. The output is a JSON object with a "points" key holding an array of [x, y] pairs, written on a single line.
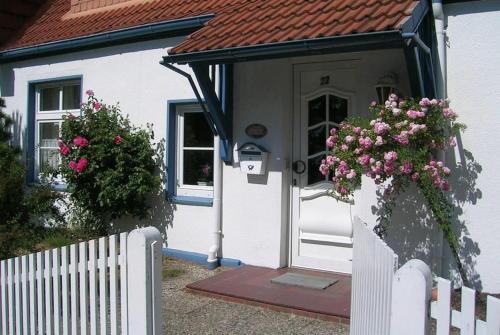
{"points": [[399, 144], [111, 168]]}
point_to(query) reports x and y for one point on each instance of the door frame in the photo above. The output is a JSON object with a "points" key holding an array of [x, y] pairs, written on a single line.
{"points": [[296, 126]]}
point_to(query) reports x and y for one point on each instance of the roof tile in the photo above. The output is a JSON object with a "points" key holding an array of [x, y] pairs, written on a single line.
{"points": [[237, 22]]}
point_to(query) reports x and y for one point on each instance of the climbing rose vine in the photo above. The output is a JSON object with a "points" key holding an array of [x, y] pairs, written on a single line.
{"points": [[109, 166], [399, 146]]}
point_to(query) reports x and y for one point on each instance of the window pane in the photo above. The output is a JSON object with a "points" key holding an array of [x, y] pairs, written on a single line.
{"points": [[313, 174], [71, 97], [317, 110], [49, 133], [317, 139], [49, 99], [49, 157], [338, 109], [198, 167], [197, 133]]}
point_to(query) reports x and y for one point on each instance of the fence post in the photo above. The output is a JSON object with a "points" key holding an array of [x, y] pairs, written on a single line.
{"points": [[144, 281], [411, 293]]}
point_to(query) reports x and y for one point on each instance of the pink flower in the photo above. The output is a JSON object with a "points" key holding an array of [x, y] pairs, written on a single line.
{"points": [[72, 165], [64, 149], [333, 131], [396, 111], [389, 168], [349, 139], [413, 114], [83, 105], [330, 160], [330, 141], [406, 167], [373, 103], [449, 113], [323, 168], [390, 156], [81, 165], [342, 190], [415, 176], [453, 142], [118, 139], [364, 160], [351, 174], [80, 141], [97, 105], [343, 168], [366, 142], [402, 138], [425, 102], [344, 148], [90, 93], [356, 130], [446, 170], [445, 185], [379, 141], [381, 128]]}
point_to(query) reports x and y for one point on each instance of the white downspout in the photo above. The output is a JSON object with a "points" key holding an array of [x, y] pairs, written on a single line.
{"points": [[437, 9], [216, 230]]}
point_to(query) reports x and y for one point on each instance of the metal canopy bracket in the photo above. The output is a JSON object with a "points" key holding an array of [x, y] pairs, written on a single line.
{"points": [[220, 118]]}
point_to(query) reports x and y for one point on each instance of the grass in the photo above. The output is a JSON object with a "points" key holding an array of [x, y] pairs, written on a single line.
{"points": [[55, 239], [172, 273]]}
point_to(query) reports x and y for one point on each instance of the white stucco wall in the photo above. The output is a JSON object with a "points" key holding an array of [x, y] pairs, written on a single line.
{"points": [[131, 75], [473, 72]]}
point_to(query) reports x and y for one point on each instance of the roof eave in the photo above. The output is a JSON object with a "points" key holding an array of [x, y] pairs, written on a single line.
{"points": [[178, 27], [335, 44]]}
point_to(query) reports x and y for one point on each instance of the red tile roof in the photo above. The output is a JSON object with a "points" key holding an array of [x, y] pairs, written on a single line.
{"points": [[270, 21], [237, 22], [50, 25]]}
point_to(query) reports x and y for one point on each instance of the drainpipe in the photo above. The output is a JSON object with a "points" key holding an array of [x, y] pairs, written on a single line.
{"points": [[216, 233], [437, 9]]}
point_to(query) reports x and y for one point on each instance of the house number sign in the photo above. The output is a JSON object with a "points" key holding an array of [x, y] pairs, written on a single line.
{"points": [[256, 130]]}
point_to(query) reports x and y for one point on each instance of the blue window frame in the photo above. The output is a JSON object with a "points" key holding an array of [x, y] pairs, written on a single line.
{"points": [[190, 154], [48, 101]]}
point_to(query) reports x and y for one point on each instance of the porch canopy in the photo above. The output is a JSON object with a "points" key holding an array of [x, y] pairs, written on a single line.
{"points": [[266, 29]]}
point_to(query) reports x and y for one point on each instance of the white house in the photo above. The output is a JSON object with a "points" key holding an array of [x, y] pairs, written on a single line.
{"points": [[274, 77]]}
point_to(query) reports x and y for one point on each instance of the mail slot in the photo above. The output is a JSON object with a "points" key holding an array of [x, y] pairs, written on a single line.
{"points": [[253, 158]]}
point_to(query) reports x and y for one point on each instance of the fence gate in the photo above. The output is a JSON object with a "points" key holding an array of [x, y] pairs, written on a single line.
{"points": [[374, 264]]}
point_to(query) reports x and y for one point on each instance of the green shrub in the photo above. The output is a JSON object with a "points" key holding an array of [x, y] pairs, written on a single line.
{"points": [[109, 165]]}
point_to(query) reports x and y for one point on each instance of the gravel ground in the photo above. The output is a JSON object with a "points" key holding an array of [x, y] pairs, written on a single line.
{"points": [[187, 313]]}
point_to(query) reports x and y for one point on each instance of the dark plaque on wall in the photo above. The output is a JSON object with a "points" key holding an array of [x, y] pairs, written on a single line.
{"points": [[256, 130]]}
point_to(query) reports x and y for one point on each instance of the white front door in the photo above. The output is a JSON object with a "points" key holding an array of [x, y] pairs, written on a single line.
{"points": [[321, 227]]}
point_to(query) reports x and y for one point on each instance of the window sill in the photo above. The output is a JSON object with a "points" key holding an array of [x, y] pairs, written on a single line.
{"points": [[191, 201]]}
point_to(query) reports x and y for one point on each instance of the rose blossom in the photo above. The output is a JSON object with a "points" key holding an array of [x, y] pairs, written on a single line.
{"points": [[349, 139], [323, 168], [415, 176], [406, 167], [118, 139], [452, 142], [351, 174], [330, 141], [81, 165], [72, 165], [333, 131], [80, 141], [396, 111], [366, 142], [357, 130], [381, 128], [364, 160], [90, 93], [425, 102], [64, 149], [449, 113], [97, 105], [379, 141], [390, 156], [344, 148]]}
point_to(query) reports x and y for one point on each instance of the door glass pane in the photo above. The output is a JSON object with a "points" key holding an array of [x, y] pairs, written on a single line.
{"points": [[198, 167], [49, 99], [313, 174], [337, 108], [317, 111], [71, 97], [197, 133], [49, 133], [49, 157], [316, 140]]}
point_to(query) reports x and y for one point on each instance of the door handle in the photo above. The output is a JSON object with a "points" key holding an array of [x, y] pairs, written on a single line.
{"points": [[299, 167]]}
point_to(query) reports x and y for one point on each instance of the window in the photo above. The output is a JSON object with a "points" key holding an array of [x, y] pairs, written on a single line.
{"points": [[52, 101], [190, 170]]}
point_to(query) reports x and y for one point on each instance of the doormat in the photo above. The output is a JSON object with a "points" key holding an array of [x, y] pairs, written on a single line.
{"points": [[297, 279]]}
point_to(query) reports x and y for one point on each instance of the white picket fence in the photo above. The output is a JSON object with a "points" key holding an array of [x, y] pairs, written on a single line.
{"points": [[411, 302], [373, 268], [85, 288]]}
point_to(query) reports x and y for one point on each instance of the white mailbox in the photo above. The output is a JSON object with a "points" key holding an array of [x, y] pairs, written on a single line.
{"points": [[253, 159]]}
